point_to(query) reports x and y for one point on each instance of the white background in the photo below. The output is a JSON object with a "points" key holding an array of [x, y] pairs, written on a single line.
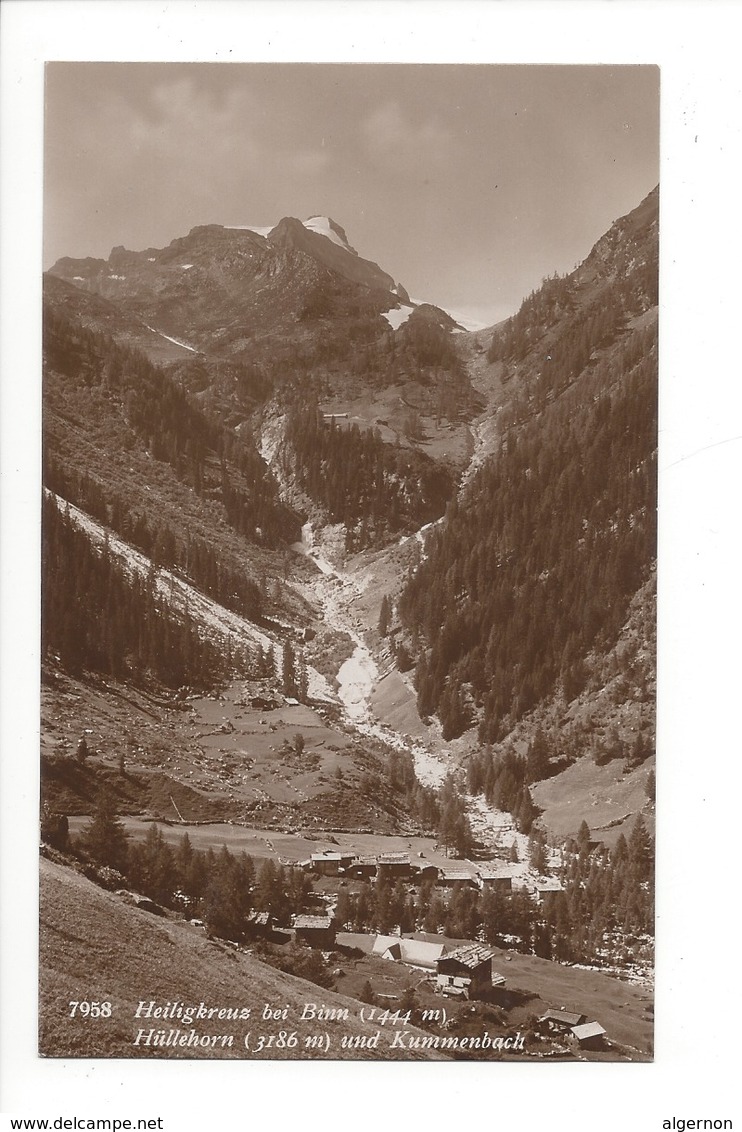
{"points": [[695, 1071]]}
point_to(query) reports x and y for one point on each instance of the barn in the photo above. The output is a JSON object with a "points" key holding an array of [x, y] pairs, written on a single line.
{"points": [[330, 864], [560, 1021], [362, 868], [495, 880], [392, 865], [425, 872], [315, 931], [591, 1035], [449, 878], [467, 971]]}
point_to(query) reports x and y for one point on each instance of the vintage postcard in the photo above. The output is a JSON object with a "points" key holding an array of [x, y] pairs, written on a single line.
{"points": [[349, 561]]}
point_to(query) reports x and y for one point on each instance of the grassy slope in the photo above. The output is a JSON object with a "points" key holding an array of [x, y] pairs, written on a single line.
{"points": [[95, 947], [619, 698], [601, 795], [219, 758]]}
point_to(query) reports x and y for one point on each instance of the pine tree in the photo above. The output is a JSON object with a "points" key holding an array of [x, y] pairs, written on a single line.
{"points": [[435, 913], [158, 871], [225, 903], [104, 838], [537, 851]]}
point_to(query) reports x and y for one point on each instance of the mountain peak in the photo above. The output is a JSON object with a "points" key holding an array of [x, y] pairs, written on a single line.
{"points": [[325, 240], [326, 226]]}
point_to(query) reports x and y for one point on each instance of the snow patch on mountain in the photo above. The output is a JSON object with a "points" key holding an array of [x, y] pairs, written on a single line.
{"points": [[324, 226], [175, 341], [397, 318]]}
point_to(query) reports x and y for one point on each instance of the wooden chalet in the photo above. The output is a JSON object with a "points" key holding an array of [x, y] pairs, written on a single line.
{"points": [[361, 868], [560, 1021], [330, 864], [494, 879], [546, 885], [391, 865], [466, 972], [425, 872], [315, 931], [589, 1035], [448, 878]]}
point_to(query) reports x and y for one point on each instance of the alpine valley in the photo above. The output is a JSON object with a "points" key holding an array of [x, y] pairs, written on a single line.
{"points": [[348, 626]]}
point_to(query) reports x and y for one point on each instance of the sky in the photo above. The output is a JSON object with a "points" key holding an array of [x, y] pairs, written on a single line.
{"points": [[467, 183]]}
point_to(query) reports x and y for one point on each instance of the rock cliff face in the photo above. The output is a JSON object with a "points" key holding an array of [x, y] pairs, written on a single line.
{"points": [[217, 287], [335, 253]]}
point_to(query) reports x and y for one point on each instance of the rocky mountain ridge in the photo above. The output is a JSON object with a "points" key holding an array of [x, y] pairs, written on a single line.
{"points": [[220, 287]]}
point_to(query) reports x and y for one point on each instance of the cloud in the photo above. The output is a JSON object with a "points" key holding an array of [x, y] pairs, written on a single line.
{"points": [[390, 135], [188, 122]]}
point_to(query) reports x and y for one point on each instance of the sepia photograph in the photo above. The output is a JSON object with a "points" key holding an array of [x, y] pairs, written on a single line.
{"points": [[349, 561], [368, 447]]}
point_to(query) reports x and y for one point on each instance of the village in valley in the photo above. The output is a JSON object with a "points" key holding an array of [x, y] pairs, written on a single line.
{"points": [[376, 926], [460, 972]]}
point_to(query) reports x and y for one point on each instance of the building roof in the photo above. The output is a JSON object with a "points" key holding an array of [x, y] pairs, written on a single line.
{"points": [[456, 874], [382, 943], [393, 859], [566, 1017], [589, 1030], [313, 922], [494, 874], [426, 872], [328, 856], [259, 919], [470, 954], [414, 952]]}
